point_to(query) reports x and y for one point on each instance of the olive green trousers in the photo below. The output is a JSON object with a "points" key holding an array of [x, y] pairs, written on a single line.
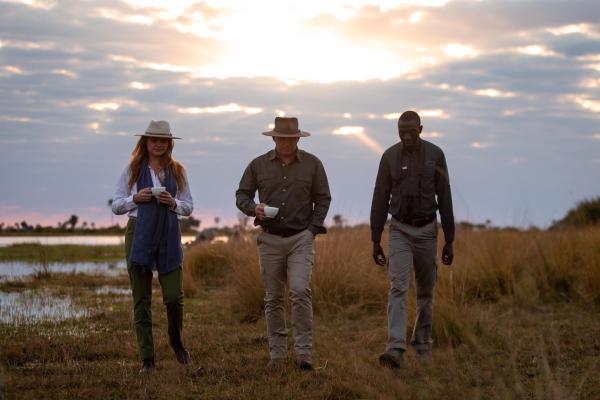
{"points": [[141, 290]]}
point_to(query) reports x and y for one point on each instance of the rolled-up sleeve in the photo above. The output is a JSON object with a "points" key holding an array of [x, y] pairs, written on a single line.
{"points": [[244, 196], [183, 198], [122, 201]]}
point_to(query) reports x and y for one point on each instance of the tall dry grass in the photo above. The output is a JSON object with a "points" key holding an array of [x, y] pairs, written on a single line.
{"points": [[522, 268]]}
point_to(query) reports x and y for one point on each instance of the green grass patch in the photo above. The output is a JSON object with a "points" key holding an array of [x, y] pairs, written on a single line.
{"points": [[35, 252]]}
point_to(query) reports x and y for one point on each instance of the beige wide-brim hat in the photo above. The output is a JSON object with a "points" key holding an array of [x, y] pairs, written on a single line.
{"points": [[159, 129], [286, 127]]}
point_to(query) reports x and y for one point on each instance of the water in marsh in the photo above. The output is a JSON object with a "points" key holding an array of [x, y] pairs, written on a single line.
{"points": [[10, 270], [29, 307], [89, 240], [113, 291]]}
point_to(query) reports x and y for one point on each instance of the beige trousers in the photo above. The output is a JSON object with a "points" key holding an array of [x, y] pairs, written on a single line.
{"points": [[287, 259]]}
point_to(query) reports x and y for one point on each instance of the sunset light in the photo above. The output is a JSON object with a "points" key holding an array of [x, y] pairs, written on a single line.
{"points": [[484, 78], [286, 40], [359, 133], [248, 157]]}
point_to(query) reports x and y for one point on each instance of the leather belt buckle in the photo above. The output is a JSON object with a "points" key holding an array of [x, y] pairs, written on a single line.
{"points": [[419, 222]]}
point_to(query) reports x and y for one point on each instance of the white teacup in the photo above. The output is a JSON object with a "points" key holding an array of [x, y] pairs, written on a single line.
{"points": [[158, 190], [271, 212]]}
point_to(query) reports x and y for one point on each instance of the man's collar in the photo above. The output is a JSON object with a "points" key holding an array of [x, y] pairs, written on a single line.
{"points": [[416, 147], [272, 154]]}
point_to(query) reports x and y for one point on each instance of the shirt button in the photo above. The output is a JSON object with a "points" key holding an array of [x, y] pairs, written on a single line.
{"points": [[285, 177], [281, 217], [283, 204], [283, 190]]}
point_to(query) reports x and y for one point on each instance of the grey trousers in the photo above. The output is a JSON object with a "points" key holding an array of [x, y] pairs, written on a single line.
{"points": [[287, 259], [410, 246]]}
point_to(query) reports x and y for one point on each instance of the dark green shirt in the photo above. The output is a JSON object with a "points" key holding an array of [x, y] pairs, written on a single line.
{"points": [[300, 190], [407, 186]]}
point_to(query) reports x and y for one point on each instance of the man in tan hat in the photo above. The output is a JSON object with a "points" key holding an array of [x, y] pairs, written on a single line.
{"points": [[294, 198]]}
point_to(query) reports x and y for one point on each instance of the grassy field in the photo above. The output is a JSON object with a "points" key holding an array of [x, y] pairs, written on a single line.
{"points": [[515, 317], [36, 252]]}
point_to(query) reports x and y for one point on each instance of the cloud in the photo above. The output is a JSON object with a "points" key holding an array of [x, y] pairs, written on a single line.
{"points": [[432, 135], [119, 16], [64, 72], [480, 145], [491, 92], [11, 70], [536, 50], [11, 118], [75, 84], [416, 17], [225, 108], [586, 103], [23, 44], [113, 104], [459, 50], [140, 85], [570, 29], [42, 4], [359, 133], [434, 113]]}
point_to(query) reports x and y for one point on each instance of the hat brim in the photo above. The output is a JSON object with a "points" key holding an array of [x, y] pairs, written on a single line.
{"points": [[157, 135], [279, 134]]}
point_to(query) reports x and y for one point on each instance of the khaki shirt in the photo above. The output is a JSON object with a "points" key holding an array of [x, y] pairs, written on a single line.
{"points": [[300, 190]]}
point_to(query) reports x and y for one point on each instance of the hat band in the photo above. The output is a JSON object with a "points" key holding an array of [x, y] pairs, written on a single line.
{"points": [[286, 130]]}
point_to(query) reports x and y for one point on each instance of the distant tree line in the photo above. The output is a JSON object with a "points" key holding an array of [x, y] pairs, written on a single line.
{"points": [[188, 225], [70, 225], [585, 213]]}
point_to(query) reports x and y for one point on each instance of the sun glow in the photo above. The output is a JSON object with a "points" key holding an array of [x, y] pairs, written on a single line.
{"points": [[282, 38], [359, 133], [226, 108], [536, 50], [285, 49], [309, 41], [459, 50], [589, 104]]}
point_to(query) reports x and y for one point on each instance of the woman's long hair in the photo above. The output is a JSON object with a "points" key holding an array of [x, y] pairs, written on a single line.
{"points": [[140, 153]]}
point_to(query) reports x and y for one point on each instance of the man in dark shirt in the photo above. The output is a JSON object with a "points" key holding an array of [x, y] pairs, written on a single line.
{"points": [[294, 182], [411, 175]]}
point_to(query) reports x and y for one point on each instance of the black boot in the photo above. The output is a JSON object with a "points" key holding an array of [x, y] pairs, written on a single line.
{"points": [[175, 321], [147, 366]]}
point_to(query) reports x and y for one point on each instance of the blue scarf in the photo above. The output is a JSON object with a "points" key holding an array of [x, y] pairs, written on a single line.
{"points": [[157, 238]]}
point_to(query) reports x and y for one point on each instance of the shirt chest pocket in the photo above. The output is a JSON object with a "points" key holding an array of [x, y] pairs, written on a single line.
{"points": [[428, 178], [267, 181], [399, 174], [303, 184]]}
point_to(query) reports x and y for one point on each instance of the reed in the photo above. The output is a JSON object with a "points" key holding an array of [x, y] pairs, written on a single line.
{"points": [[522, 268]]}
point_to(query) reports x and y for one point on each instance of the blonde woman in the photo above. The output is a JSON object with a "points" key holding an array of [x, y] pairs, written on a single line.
{"points": [[154, 191]]}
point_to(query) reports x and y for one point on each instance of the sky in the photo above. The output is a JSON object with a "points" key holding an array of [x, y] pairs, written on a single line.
{"points": [[510, 90]]}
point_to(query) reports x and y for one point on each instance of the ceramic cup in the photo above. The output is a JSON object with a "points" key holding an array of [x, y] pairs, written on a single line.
{"points": [[271, 212], [158, 190]]}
